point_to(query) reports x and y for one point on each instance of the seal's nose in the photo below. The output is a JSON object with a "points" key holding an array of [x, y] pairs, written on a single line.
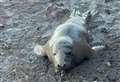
{"points": [[60, 67]]}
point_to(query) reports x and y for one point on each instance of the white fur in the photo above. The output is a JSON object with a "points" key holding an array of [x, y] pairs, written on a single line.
{"points": [[59, 59], [65, 38], [38, 50], [55, 39], [59, 33], [98, 48]]}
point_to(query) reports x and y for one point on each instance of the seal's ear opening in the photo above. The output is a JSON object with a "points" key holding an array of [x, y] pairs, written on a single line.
{"points": [[39, 50]]}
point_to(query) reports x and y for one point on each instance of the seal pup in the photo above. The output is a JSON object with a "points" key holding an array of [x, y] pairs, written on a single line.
{"points": [[69, 44]]}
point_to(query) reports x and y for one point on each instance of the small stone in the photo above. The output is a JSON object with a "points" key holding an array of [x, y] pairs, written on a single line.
{"points": [[2, 26], [1, 54], [85, 81], [107, 11], [95, 81], [108, 64], [52, 0], [60, 4], [104, 30], [62, 73], [106, 1]]}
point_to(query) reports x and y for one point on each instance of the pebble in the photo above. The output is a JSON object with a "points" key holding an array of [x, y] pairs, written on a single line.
{"points": [[1, 26], [107, 11], [95, 81], [108, 64], [104, 30], [85, 81]]}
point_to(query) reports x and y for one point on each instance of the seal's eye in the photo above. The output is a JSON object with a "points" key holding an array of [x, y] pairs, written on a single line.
{"points": [[68, 53], [54, 54]]}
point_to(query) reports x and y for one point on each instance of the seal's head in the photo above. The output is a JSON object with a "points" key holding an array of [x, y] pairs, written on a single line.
{"points": [[62, 53]]}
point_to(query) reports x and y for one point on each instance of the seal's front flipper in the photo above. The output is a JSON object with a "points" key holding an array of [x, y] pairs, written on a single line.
{"points": [[39, 50]]}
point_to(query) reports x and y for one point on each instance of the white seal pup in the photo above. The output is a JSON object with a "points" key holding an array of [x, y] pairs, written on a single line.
{"points": [[69, 44]]}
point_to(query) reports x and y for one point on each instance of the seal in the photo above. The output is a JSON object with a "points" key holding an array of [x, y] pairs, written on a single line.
{"points": [[69, 44]]}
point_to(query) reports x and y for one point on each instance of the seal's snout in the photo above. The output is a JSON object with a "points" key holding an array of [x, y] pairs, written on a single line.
{"points": [[61, 67], [64, 67]]}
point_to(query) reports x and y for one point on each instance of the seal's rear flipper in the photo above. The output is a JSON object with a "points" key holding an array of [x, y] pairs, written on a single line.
{"points": [[75, 12], [88, 16]]}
